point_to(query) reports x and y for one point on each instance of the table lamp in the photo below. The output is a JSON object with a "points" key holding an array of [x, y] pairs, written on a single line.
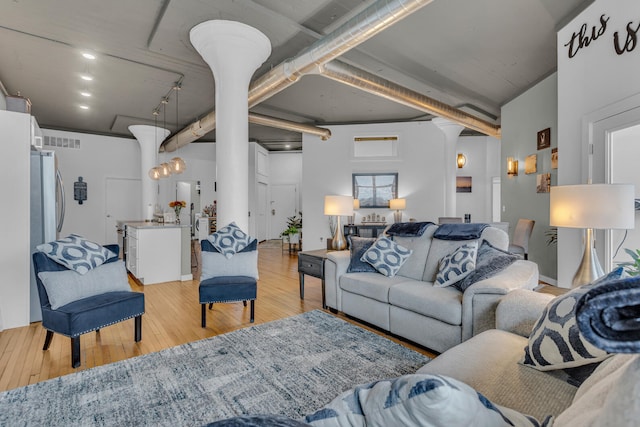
{"points": [[338, 206], [591, 206], [398, 205]]}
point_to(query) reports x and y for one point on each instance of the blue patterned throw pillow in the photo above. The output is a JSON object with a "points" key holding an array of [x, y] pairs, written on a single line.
{"points": [[229, 240], [457, 265], [414, 401], [555, 341], [76, 253], [386, 256]]}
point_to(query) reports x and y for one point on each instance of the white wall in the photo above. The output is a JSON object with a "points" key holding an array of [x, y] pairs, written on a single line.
{"points": [[522, 118], [286, 168], [594, 78], [327, 167], [100, 157]]}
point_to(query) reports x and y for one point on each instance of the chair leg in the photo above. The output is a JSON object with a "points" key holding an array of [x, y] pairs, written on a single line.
{"points": [[252, 309], [526, 256], [138, 328], [204, 315], [47, 340], [210, 305], [244, 303], [75, 352]]}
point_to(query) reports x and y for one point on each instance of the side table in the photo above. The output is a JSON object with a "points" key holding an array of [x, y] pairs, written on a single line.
{"points": [[312, 263]]}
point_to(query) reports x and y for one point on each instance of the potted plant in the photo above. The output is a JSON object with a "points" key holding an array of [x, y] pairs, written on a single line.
{"points": [[632, 268], [294, 226]]}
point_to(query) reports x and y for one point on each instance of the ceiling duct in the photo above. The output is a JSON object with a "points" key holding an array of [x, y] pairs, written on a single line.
{"points": [[358, 78], [260, 119], [371, 21]]}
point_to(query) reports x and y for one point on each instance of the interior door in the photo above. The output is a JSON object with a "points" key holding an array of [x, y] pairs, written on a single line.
{"points": [[261, 220], [122, 204], [282, 205]]}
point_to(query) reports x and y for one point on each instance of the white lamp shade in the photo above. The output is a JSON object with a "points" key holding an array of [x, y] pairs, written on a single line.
{"points": [[600, 206], [338, 205], [398, 204]]}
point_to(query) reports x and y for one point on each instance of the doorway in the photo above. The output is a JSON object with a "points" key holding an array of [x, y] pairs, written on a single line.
{"points": [[122, 204], [283, 205]]}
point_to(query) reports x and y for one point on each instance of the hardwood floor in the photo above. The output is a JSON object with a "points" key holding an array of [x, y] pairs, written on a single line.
{"points": [[172, 318]]}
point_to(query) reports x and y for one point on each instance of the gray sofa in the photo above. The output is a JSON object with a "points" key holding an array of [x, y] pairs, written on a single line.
{"points": [[408, 304]]}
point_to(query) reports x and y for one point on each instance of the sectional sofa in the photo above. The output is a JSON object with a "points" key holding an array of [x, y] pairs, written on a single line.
{"points": [[409, 305]]}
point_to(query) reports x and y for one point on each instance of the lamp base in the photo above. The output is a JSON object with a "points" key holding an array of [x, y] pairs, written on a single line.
{"points": [[397, 216], [589, 269], [339, 243]]}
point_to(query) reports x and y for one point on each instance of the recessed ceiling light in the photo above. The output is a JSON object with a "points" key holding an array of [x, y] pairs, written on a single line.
{"points": [[86, 77], [86, 94], [84, 107], [88, 55], [287, 146]]}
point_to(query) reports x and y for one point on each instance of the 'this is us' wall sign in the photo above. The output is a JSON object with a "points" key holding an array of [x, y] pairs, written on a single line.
{"points": [[624, 39]]}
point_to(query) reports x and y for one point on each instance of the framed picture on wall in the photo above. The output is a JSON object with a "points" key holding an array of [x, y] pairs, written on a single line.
{"points": [[374, 190], [463, 184], [543, 182], [554, 158], [544, 139], [531, 164]]}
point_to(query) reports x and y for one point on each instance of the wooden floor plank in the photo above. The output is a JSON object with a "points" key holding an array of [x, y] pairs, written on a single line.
{"points": [[172, 317]]}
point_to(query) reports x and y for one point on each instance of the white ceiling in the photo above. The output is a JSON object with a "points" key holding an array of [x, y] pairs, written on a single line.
{"points": [[472, 54]]}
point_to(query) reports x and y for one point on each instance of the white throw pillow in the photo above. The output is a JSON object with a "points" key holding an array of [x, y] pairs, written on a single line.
{"points": [[64, 287], [418, 400], [457, 265], [215, 264]]}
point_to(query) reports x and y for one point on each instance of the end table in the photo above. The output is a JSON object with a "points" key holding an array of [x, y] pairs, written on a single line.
{"points": [[312, 264]]}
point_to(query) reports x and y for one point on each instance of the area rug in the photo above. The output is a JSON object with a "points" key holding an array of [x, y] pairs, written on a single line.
{"points": [[289, 367]]}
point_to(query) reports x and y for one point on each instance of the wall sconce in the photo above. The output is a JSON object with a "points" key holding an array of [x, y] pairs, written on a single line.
{"points": [[461, 160], [512, 167]]}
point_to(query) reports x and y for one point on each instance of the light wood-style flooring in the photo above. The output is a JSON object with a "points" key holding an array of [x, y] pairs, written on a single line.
{"points": [[172, 318]]}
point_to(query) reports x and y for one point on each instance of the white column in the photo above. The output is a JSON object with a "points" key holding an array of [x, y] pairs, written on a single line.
{"points": [[451, 132], [233, 51], [149, 138]]}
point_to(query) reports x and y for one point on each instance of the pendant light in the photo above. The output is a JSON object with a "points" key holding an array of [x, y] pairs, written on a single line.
{"points": [[177, 164], [154, 172]]}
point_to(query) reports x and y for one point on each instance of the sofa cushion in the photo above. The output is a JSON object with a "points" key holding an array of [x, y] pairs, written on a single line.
{"points": [[489, 262], [357, 247], [457, 265], [386, 256], [488, 362], [555, 341], [370, 285], [413, 267], [416, 400], [609, 397], [76, 253], [444, 304]]}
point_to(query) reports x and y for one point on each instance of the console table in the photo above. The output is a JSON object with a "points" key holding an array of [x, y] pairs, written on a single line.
{"points": [[364, 230], [312, 263]]}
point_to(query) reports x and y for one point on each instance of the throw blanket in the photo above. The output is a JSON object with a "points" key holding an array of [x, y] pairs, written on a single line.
{"points": [[608, 316], [408, 229], [459, 231]]}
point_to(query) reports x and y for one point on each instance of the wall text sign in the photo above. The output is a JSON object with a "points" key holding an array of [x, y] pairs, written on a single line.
{"points": [[623, 41]]}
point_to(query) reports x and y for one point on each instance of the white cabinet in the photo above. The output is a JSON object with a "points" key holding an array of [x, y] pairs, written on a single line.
{"points": [[154, 253]]}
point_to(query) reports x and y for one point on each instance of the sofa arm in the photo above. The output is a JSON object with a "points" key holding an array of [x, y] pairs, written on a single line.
{"points": [[480, 300], [518, 311], [335, 266]]}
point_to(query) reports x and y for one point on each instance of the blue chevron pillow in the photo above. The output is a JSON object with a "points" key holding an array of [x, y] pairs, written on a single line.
{"points": [[555, 341], [76, 253], [229, 240], [457, 265]]}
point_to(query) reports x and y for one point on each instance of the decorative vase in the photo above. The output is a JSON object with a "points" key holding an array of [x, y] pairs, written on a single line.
{"points": [[177, 209]]}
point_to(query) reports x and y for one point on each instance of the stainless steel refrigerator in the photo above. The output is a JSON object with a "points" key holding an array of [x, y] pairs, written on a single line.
{"points": [[47, 211]]}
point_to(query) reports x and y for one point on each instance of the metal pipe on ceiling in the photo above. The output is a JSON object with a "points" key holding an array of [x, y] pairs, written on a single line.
{"points": [[361, 79], [371, 21]]}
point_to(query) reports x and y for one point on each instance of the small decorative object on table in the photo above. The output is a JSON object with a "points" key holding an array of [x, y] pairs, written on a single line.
{"points": [[177, 206]]}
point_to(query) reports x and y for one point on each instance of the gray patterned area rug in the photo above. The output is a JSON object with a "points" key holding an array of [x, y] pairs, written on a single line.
{"points": [[290, 367]]}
